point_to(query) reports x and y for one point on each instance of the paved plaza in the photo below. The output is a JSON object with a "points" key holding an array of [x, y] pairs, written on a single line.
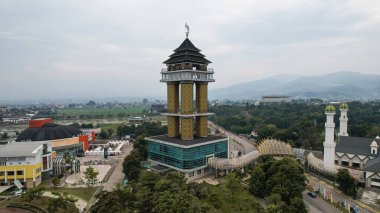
{"points": [[74, 179]]}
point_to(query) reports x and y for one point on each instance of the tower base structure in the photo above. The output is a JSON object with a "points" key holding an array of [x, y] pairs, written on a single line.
{"points": [[189, 157]]}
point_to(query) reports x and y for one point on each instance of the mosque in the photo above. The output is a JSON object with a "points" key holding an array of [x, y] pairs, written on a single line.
{"points": [[357, 154]]}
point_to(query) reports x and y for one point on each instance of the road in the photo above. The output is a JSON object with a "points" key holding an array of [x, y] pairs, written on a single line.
{"points": [[337, 195], [117, 175], [247, 144], [317, 205]]}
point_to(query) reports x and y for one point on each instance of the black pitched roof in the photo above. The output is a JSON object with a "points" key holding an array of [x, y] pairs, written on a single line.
{"points": [[49, 132], [187, 45], [187, 52], [355, 145], [372, 165]]}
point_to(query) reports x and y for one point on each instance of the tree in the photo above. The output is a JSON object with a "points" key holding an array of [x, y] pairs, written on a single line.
{"points": [[172, 194], [62, 202], [345, 181], [233, 183], [5, 135], [91, 103], [131, 165], [288, 179], [297, 205], [278, 205], [91, 176], [117, 200], [110, 132], [145, 200], [56, 203], [34, 193], [104, 134], [256, 185], [55, 181]]}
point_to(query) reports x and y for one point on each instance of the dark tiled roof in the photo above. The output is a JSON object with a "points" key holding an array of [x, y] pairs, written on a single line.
{"points": [[187, 45], [187, 58], [49, 132], [355, 145], [373, 165], [195, 141], [192, 53], [187, 52]]}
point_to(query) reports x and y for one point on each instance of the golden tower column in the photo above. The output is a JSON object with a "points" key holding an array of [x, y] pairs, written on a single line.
{"points": [[201, 103], [172, 105], [187, 126]]}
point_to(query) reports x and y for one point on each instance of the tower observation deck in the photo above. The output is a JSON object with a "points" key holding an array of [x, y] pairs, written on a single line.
{"points": [[186, 70]]}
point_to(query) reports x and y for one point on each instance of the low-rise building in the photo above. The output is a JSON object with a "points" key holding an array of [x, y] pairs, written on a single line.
{"points": [[157, 108], [25, 163], [354, 152], [64, 139], [135, 120], [16, 119], [275, 99]]}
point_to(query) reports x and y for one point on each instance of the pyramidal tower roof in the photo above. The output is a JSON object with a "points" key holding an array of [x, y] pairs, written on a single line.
{"points": [[187, 53]]}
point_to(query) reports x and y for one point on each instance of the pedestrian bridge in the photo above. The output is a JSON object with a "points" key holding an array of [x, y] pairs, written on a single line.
{"points": [[274, 147], [266, 147], [318, 164]]}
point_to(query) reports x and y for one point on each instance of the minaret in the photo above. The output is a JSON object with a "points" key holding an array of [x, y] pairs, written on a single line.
{"points": [[187, 70], [343, 120], [329, 144]]}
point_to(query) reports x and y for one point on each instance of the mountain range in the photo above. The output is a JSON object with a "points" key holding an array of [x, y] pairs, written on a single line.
{"points": [[343, 85]]}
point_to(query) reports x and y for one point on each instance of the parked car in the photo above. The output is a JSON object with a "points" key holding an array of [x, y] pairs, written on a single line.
{"points": [[312, 194], [354, 209], [18, 193]]}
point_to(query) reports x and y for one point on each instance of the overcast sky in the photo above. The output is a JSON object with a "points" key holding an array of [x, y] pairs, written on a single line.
{"points": [[71, 49]]}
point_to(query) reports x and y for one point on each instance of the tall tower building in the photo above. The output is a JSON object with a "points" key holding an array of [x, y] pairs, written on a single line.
{"points": [[343, 120], [187, 146], [329, 144], [186, 70]]}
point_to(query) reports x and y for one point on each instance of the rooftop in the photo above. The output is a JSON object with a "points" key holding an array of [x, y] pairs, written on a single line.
{"points": [[49, 131], [355, 145], [372, 165], [20, 149], [187, 52], [195, 141]]}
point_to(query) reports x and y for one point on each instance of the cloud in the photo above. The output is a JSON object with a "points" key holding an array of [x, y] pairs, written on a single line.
{"points": [[116, 48]]}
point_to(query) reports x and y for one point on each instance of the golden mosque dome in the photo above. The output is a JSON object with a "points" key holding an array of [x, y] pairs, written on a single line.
{"points": [[330, 108], [343, 106]]}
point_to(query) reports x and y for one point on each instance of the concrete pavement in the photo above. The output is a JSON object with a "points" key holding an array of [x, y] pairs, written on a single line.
{"points": [[117, 175]]}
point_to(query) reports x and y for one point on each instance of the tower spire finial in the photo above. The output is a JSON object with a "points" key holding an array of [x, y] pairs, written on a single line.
{"points": [[187, 30]]}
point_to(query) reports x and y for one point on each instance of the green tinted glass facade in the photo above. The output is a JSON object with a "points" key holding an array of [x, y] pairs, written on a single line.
{"points": [[186, 158]]}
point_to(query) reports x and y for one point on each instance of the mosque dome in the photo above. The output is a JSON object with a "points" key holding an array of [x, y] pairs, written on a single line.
{"points": [[49, 131], [343, 106], [330, 108]]}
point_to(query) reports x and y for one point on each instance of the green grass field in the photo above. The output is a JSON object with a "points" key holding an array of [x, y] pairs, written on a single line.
{"points": [[102, 111]]}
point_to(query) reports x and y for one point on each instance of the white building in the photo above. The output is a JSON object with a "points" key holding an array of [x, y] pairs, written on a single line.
{"points": [[16, 119], [272, 99], [24, 163]]}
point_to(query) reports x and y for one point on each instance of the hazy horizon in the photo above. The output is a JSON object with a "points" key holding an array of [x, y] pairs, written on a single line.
{"points": [[100, 49]]}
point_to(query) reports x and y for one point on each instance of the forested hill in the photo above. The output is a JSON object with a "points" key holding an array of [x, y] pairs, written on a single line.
{"points": [[339, 85]]}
